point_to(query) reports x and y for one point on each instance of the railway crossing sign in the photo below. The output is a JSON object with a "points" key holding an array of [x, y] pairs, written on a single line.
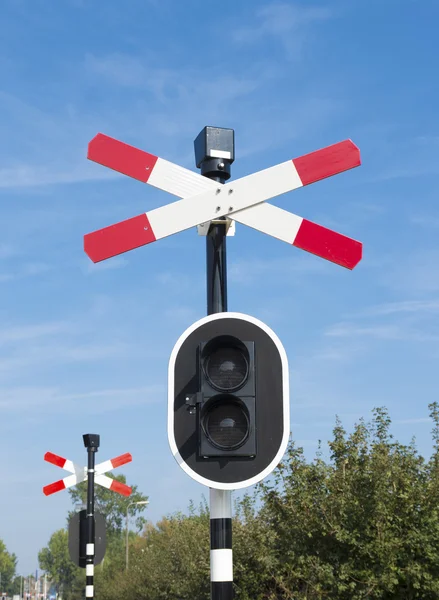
{"points": [[79, 474], [228, 386], [204, 200], [87, 538]]}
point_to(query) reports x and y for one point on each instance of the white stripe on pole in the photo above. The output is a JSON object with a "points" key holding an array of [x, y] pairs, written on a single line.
{"points": [[89, 570], [220, 504], [221, 565], [89, 591], [90, 549]]}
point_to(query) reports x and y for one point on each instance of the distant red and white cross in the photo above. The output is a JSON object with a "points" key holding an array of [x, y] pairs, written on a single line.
{"points": [[204, 200], [80, 474]]}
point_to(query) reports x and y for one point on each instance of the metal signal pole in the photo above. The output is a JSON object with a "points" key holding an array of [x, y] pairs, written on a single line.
{"points": [[91, 442], [214, 153]]}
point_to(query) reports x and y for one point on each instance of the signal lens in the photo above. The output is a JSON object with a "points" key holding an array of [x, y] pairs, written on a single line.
{"points": [[226, 366], [226, 423]]}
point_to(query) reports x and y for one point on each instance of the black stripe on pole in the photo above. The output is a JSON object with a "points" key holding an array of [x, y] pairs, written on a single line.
{"points": [[221, 539], [89, 580], [220, 534], [221, 590]]}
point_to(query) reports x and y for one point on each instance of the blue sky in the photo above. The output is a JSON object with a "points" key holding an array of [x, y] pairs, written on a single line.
{"points": [[83, 347]]}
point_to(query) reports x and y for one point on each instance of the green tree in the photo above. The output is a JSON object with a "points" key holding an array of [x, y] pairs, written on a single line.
{"points": [[169, 562], [364, 525], [55, 559], [8, 563]]}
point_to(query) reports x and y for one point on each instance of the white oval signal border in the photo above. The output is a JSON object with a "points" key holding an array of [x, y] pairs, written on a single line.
{"points": [[286, 402]]}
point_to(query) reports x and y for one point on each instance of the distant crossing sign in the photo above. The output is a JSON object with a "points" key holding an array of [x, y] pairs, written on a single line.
{"points": [[205, 200], [79, 474]]}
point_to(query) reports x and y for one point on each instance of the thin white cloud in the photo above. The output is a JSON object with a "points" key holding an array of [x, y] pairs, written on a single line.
{"points": [[416, 307], [29, 175], [25, 270], [382, 332], [336, 355], [405, 171], [116, 262], [23, 333], [427, 221], [403, 158], [175, 101], [170, 85], [413, 421], [34, 399], [286, 22], [7, 251], [49, 355], [187, 314], [417, 275], [51, 148], [389, 332], [246, 271], [122, 69]]}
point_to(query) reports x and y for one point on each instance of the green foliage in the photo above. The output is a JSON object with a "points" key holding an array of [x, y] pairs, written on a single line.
{"points": [[15, 587], [55, 559], [169, 562], [363, 525], [8, 563]]}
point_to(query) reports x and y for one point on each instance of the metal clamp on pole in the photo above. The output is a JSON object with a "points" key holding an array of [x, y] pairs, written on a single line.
{"points": [[214, 153], [91, 442]]}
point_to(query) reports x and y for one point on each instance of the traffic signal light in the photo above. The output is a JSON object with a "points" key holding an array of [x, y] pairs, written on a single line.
{"points": [[228, 401]]}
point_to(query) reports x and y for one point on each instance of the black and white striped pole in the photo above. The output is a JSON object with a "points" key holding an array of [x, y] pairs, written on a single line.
{"points": [[221, 557], [228, 396], [91, 442], [216, 166]]}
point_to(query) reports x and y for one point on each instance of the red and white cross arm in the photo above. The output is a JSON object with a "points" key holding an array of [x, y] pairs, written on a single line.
{"points": [[113, 485], [113, 463], [80, 474], [242, 200]]}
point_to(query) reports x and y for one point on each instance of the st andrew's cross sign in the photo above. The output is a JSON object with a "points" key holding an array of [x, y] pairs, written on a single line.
{"points": [[204, 200]]}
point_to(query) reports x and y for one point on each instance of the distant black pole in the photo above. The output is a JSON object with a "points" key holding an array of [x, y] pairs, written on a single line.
{"points": [[91, 442], [214, 153]]}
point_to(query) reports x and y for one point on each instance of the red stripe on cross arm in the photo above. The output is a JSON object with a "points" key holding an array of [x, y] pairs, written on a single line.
{"points": [[120, 488], [54, 459], [54, 487], [121, 157], [116, 239], [327, 162], [329, 244], [123, 459]]}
